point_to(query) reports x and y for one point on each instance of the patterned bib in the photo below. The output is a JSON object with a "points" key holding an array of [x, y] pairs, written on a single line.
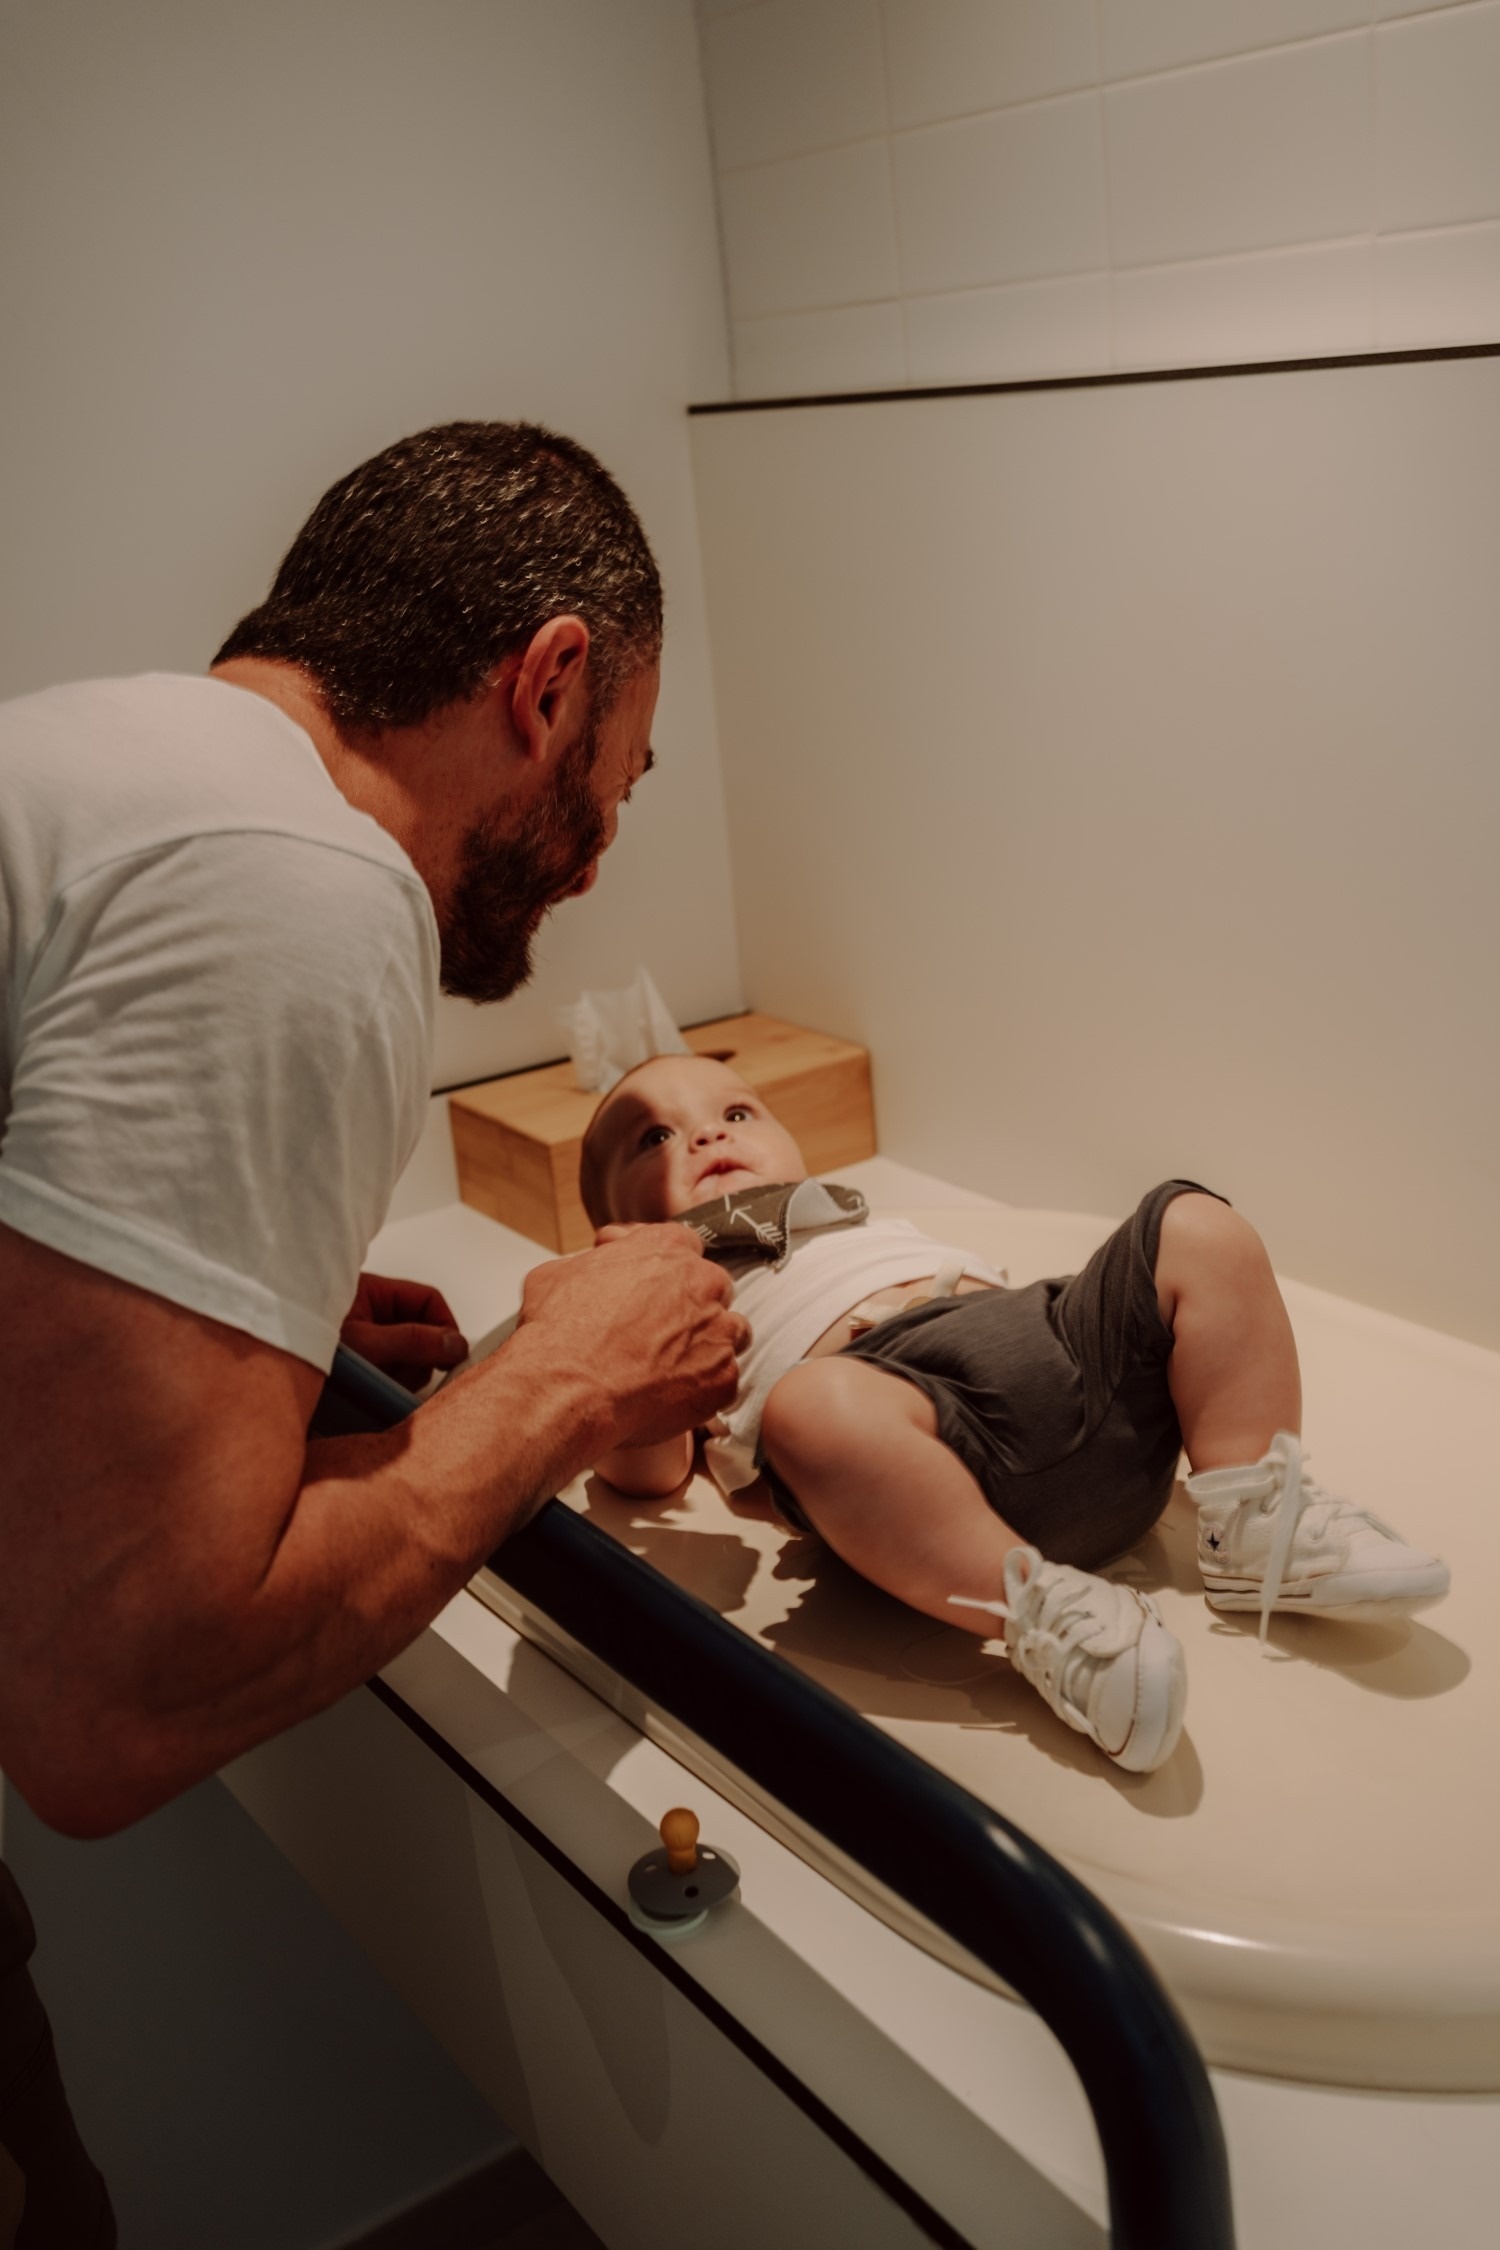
{"points": [[759, 1222]]}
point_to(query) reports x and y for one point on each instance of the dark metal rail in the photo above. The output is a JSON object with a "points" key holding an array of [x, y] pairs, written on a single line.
{"points": [[969, 1870]]}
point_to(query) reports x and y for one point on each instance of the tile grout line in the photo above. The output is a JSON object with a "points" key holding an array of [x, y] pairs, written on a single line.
{"points": [[1372, 284], [1439, 226], [890, 190], [1112, 355], [716, 173], [1053, 280], [1102, 87], [1066, 372]]}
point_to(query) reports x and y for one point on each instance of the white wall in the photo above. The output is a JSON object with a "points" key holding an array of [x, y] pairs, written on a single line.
{"points": [[1120, 765], [238, 2071], [241, 248], [936, 191]]}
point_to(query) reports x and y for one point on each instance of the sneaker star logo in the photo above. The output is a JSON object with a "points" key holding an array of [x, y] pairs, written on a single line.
{"points": [[1213, 1539]]}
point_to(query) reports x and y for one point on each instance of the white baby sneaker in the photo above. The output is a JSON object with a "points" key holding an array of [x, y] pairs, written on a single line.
{"points": [[1271, 1539], [1098, 1653]]}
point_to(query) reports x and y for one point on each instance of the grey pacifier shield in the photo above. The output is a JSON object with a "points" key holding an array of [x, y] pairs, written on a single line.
{"points": [[666, 1897]]}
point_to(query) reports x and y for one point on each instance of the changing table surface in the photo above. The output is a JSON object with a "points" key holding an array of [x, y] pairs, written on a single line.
{"points": [[1313, 1870]]}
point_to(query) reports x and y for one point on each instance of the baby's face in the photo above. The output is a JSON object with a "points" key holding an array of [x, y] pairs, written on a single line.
{"points": [[683, 1130]]}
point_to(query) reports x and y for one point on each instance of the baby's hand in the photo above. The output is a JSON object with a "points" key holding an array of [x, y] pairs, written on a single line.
{"points": [[649, 1472]]}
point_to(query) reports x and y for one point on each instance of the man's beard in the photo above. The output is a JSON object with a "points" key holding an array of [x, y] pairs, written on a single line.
{"points": [[509, 880]]}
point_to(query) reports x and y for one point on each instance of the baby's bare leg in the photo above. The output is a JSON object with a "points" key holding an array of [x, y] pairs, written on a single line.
{"points": [[1233, 1371], [860, 1450]]}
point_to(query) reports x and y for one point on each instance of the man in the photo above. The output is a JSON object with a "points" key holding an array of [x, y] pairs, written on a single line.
{"points": [[225, 908]]}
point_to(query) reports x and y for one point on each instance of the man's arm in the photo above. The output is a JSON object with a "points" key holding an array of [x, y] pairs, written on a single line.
{"points": [[182, 1574]]}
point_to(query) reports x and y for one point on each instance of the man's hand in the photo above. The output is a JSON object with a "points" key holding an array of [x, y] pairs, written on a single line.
{"points": [[183, 1573], [404, 1328], [650, 1319]]}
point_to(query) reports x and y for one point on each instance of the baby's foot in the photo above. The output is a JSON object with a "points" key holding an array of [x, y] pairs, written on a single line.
{"points": [[1098, 1653], [1271, 1539]]}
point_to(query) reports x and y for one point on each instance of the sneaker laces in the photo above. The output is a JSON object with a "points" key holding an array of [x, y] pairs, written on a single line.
{"points": [[1295, 1497], [1057, 1615], [1289, 1496]]}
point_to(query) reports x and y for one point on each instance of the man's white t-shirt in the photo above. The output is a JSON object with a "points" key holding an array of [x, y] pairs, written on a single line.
{"points": [[219, 988]]}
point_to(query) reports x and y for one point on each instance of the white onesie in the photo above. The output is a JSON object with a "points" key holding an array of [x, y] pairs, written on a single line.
{"points": [[827, 1273]]}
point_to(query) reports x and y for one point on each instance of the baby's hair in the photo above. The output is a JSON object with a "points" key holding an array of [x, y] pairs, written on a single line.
{"points": [[593, 1154]]}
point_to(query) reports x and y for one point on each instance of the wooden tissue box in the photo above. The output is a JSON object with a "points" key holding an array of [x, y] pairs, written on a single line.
{"points": [[517, 1139]]}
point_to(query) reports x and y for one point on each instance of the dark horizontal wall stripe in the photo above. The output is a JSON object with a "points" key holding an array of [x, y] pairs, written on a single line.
{"points": [[1098, 382], [885, 2176]]}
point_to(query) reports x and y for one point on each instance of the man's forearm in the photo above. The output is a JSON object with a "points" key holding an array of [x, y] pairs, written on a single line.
{"points": [[182, 1573], [197, 1654], [378, 1535]]}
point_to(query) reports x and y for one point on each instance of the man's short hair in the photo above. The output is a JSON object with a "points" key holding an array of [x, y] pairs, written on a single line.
{"points": [[420, 570]]}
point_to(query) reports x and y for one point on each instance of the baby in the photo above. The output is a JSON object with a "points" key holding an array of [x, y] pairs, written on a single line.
{"points": [[960, 1442]]}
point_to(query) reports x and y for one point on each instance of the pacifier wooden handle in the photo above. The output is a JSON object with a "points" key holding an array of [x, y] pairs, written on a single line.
{"points": [[679, 1832]]}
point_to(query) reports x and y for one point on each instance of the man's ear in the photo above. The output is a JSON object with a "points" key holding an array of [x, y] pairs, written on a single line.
{"points": [[546, 689]]}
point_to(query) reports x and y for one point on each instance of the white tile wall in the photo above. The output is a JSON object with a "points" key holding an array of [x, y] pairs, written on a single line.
{"points": [[950, 58], [1425, 281], [929, 191], [1009, 197], [1222, 309], [794, 75], [1137, 36], [1242, 155], [852, 347], [811, 232], [1438, 102], [1039, 327]]}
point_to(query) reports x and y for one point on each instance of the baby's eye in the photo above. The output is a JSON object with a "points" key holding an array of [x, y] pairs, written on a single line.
{"points": [[736, 1112], [654, 1136]]}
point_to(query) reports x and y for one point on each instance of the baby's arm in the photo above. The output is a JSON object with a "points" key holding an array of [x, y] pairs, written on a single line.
{"points": [[648, 1472], [644, 1472]]}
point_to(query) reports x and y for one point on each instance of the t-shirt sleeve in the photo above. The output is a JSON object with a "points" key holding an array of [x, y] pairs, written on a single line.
{"points": [[223, 1063]]}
